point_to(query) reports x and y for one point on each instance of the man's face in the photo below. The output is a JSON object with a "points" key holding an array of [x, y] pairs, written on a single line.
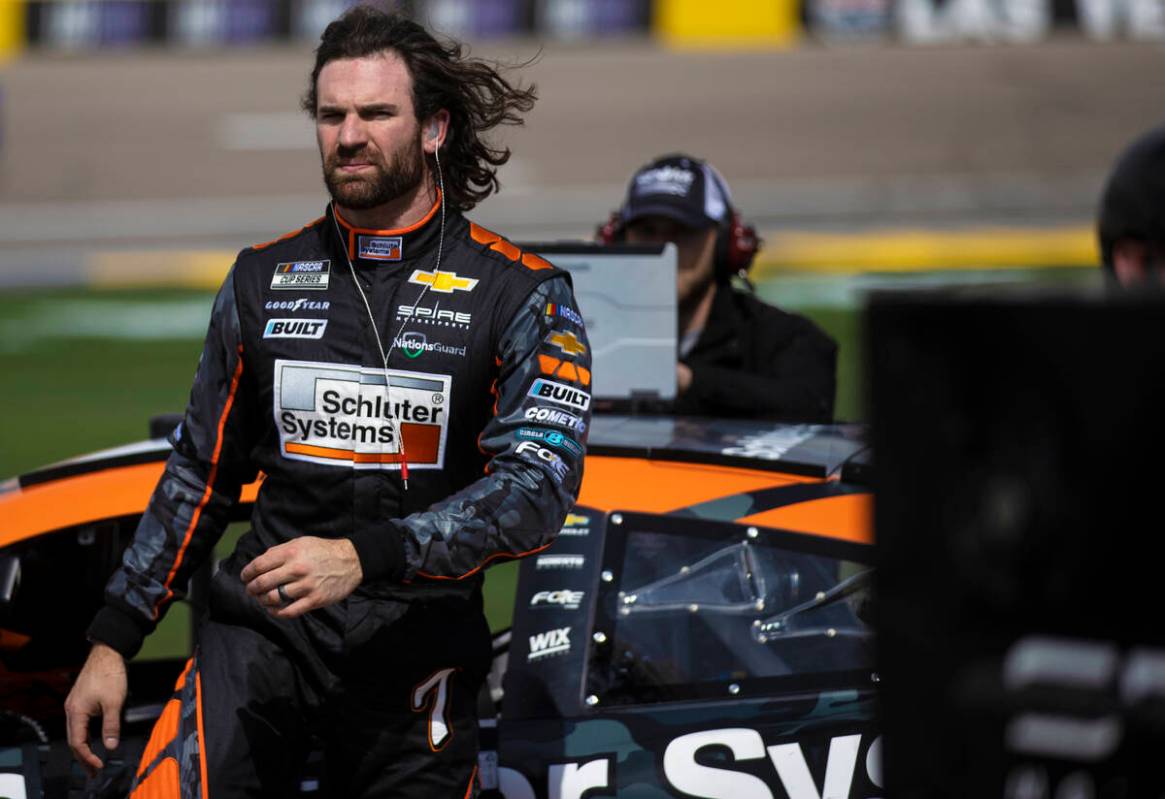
{"points": [[695, 252], [367, 130]]}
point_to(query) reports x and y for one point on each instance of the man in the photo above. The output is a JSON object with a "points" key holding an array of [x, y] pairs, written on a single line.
{"points": [[380, 367], [738, 356], [1131, 225]]}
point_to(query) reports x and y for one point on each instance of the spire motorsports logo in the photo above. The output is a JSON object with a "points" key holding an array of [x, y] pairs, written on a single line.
{"points": [[341, 415], [414, 345]]}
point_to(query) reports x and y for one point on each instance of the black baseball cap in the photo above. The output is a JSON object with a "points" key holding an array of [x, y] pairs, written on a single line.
{"points": [[678, 187]]}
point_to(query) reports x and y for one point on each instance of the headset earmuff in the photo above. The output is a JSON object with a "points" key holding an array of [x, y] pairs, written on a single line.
{"points": [[736, 247], [611, 231]]}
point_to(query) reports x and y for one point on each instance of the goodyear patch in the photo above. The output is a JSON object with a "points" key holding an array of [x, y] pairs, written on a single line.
{"points": [[302, 275]]}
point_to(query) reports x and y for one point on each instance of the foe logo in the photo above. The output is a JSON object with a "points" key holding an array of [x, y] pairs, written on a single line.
{"points": [[558, 468]]}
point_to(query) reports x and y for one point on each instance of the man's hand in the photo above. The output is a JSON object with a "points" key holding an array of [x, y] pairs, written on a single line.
{"points": [[312, 572], [683, 378], [99, 690]]}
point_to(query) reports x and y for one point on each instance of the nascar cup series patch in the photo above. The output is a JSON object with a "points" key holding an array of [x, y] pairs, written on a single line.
{"points": [[343, 415], [302, 275]]}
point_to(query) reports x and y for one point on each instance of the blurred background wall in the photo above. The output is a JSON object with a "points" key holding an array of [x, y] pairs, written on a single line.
{"points": [[872, 142]]}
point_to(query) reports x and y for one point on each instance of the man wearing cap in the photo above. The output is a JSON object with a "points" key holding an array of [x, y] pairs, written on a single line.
{"points": [[1131, 224], [738, 356]]}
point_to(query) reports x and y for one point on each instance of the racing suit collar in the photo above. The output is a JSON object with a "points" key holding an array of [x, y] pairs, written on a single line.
{"points": [[370, 247]]}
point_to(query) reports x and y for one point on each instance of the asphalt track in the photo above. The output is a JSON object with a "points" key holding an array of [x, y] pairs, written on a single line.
{"points": [[156, 151]]}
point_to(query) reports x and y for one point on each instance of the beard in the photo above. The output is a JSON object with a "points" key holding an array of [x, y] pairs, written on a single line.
{"points": [[392, 178]]}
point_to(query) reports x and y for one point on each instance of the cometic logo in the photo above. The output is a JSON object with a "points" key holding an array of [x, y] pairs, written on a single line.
{"points": [[562, 394], [556, 417], [559, 562], [551, 642], [301, 304], [557, 600], [295, 328]]}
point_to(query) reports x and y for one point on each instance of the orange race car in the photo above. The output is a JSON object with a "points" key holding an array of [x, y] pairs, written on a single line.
{"points": [[699, 628]]}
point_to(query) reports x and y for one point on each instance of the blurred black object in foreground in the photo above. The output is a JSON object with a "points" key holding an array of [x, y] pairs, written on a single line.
{"points": [[1021, 506]]}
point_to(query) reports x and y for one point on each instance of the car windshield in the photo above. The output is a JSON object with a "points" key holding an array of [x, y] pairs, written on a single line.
{"points": [[693, 609]]}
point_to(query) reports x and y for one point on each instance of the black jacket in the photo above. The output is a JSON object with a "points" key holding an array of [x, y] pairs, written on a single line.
{"points": [[758, 361], [489, 373]]}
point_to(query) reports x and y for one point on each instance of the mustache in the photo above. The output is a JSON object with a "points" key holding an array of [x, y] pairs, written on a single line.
{"points": [[343, 156]]}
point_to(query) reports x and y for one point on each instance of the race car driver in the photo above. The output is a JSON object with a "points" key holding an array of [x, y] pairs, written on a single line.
{"points": [[738, 356], [414, 389]]}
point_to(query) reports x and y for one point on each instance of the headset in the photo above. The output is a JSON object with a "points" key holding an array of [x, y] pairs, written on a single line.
{"points": [[737, 243]]}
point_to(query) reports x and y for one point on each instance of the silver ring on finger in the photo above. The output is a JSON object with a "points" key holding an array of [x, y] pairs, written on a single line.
{"points": [[283, 597]]}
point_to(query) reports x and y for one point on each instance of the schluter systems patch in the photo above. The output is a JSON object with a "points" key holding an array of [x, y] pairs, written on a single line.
{"points": [[341, 415]]}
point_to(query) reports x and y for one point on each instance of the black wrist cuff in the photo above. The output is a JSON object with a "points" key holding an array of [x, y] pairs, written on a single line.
{"points": [[381, 551], [117, 630]]}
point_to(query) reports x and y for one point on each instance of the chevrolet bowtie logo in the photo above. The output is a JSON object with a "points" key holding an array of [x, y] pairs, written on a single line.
{"points": [[574, 520], [444, 282], [568, 343]]}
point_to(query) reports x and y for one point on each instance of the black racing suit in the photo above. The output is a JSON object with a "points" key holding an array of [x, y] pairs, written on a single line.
{"points": [[488, 388], [754, 360]]}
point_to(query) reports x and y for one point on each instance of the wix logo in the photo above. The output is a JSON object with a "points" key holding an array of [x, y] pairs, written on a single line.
{"points": [[551, 642]]}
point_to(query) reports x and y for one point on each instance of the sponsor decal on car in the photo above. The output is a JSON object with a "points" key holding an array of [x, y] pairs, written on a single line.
{"points": [[299, 304], [771, 445], [575, 525], [551, 642], [414, 345], [380, 248], [554, 438], [295, 328], [557, 417], [557, 600], [567, 342], [443, 282], [342, 415], [555, 309], [312, 275], [569, 396], [544, 562], [434, 315], [558, 467]]}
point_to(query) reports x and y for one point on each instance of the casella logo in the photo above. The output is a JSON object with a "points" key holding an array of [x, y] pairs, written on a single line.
{"points": [[311, 275], [558, 468], [295, 328], [557, 600], [301, 304], [551, 642], [566, 395]]}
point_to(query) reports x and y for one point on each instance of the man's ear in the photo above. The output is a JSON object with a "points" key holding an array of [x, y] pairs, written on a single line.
{"points": [[1130, 262], [434, 131]]}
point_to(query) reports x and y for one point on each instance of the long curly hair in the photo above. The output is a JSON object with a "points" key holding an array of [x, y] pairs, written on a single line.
{"points": [[473, 91]]}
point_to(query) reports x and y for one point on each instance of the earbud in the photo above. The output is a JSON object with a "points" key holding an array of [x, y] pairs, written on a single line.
{"points": [[434, 131]]}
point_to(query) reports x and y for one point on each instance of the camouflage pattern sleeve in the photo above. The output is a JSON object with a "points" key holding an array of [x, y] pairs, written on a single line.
{"points": [[535, 441], [191, 503]]}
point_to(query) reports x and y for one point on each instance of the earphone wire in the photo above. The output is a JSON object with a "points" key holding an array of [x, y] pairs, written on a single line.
{"points": [[385, 355]]}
